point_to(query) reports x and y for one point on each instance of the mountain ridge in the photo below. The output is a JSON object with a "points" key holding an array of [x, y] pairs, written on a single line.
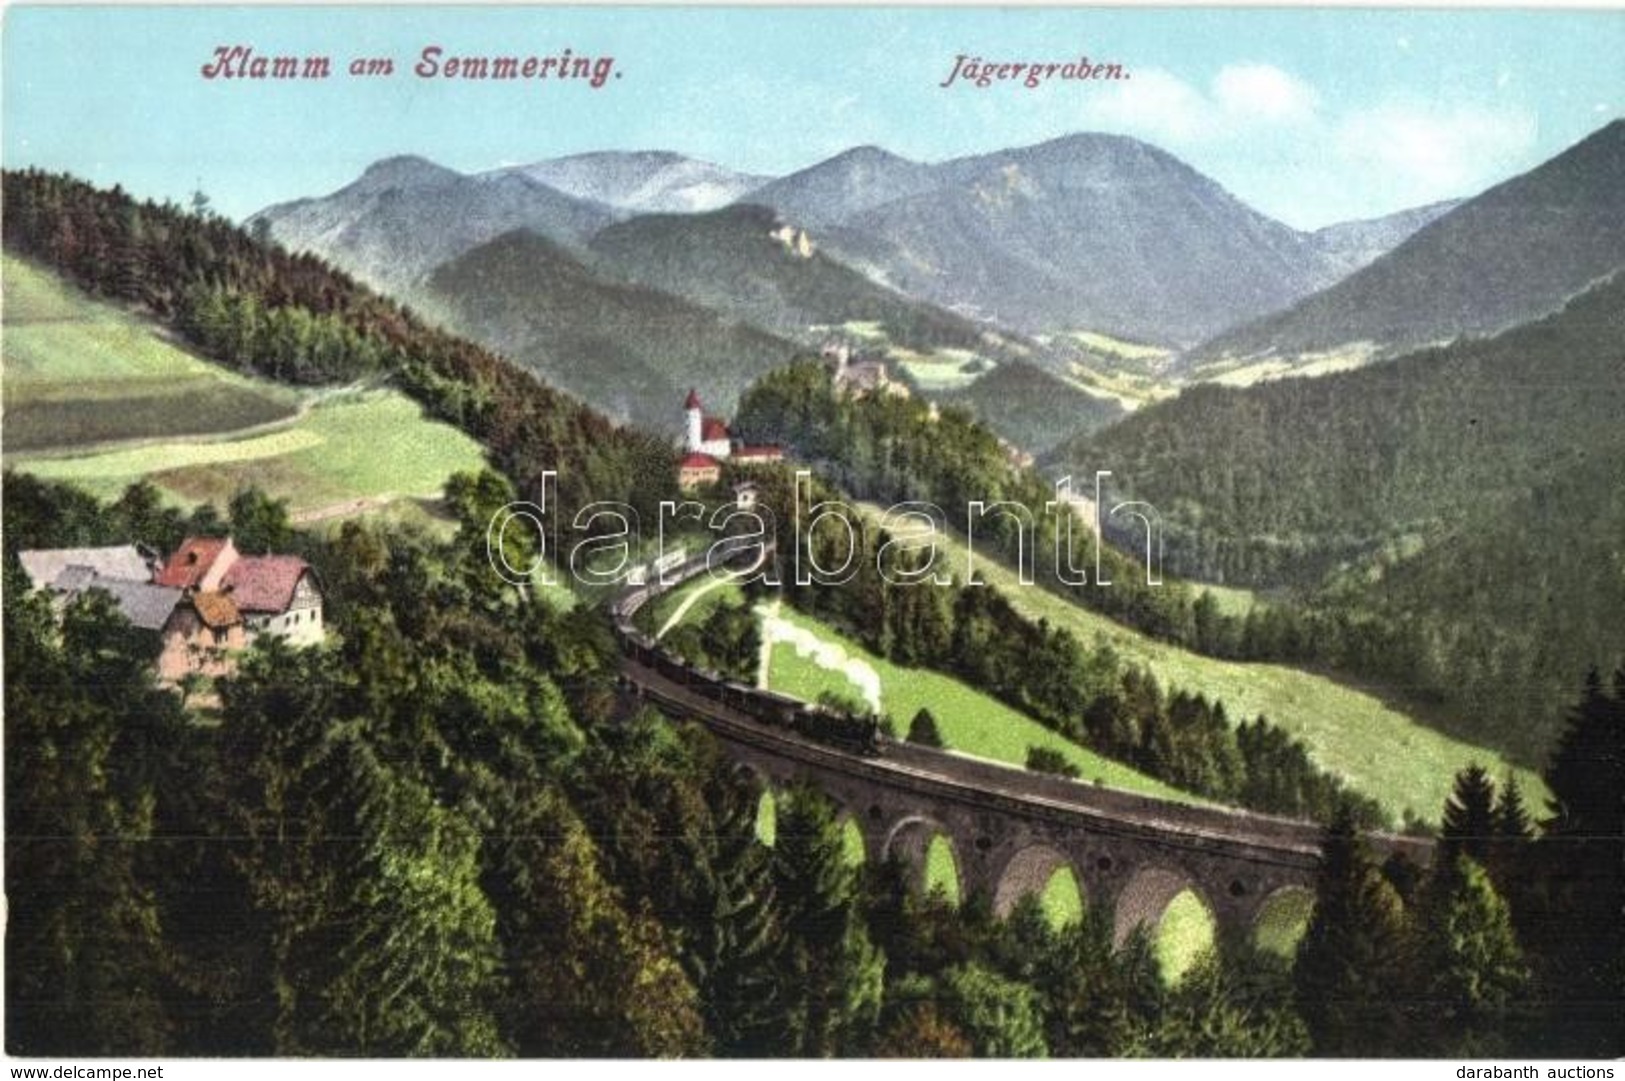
{"points": [[642, 181], [1087, 231], [630, 349], [373, 227], [1360, 486], [1517, 251]]}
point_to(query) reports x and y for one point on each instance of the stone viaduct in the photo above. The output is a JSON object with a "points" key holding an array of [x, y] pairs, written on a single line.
{"points": [[1011, 829]]}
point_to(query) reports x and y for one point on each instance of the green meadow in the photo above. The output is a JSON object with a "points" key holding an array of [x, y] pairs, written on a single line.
{"points": [[80, 372], [100, 398], [969, 720], [369, 445], [1184, 932]]}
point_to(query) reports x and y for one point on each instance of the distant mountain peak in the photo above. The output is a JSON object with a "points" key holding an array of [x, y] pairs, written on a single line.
{"points": [[837, 188], [869, 152], [403, 171], [641, 181], [1098, 139]]}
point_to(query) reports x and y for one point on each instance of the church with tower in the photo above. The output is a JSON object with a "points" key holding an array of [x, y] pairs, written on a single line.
{"points": [[707, 442]]}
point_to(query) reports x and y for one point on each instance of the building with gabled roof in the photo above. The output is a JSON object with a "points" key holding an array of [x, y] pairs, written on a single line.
{"points": [[277, 594], [121, 561], [205, 602], [200, 637], [752, 454], [197, 630], [146, 606]]}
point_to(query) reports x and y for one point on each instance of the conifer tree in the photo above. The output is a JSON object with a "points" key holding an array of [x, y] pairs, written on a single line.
{"points": [[1093, 992], [921, 1032], [1580, 923], [1587, 772], [1000, 1016], [1215, 1013], [85, 959], [731, 953], [829, 971], [414, 964], [1471, 970], [1508, 862], [1512, 822], [1353, 962], [589, 977], [923, 729], [1469, 823]]}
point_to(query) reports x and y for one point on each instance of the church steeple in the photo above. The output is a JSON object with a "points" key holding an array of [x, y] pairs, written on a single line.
{"points": [[695, 417]]}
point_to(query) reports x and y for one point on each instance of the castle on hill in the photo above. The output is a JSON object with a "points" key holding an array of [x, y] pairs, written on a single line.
{"points": [[707, 442], [861, 375]]}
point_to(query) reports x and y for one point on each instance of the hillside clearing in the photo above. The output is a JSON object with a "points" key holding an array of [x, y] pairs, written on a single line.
{"points": [[99, 398], [808, 659], [363, 446], [79, 371]]}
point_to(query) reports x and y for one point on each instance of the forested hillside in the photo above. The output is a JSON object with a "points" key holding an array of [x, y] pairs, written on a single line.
{"points": [[403, 843], [1176, 734], [1502, 454], [633, 350], [1031, 407], [1514, 598], [1087, 231], [375, 226], [1277, 483], [730, 262]]}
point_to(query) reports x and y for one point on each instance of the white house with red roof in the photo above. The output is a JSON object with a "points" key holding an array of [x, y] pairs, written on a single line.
{"points": [[707, 442], [276, 594]]}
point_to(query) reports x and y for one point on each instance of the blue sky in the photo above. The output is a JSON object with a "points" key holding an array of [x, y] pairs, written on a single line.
{"points": [[1310, 115]]}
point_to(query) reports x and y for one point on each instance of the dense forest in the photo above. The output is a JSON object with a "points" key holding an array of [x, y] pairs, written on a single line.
{"points": [[631, 347], [892, 450], [1280, 482], [290, 317], [1503, 257], [731, 262], [446, 831]]}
